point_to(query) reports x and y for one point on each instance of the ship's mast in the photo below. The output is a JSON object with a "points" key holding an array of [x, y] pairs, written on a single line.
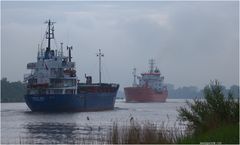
{"points": [[49, 34], [134, 77], [99, 55], [61, 49], [69, 53], [151, 65]]}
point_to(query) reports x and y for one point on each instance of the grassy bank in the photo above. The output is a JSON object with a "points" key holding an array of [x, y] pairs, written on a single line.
{"points": [[228, 134]]}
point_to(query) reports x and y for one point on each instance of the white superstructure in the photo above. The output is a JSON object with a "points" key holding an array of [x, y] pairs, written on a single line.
{"points": [[151, 79], [53, 73]]}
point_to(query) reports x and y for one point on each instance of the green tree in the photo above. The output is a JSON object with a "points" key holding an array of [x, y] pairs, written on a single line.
{"points": [[12, 91], [212, 111]]}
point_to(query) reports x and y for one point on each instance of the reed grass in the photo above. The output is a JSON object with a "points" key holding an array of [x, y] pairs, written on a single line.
{"points": [[143, 133]]}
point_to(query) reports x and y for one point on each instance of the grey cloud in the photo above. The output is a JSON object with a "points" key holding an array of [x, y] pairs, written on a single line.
{"points": [[192, 42]]}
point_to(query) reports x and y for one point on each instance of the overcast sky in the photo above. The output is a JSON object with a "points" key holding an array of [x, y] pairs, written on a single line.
{"points": [[192, 42]]}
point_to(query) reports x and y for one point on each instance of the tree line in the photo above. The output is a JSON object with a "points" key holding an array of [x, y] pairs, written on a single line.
{"points": [[192, 92], [12, 91]]}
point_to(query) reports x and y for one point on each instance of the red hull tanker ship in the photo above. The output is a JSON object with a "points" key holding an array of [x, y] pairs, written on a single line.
{"points": [[150, 87]]}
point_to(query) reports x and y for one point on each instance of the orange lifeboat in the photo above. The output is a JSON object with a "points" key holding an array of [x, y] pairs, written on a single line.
{"points": [[44, 85]]}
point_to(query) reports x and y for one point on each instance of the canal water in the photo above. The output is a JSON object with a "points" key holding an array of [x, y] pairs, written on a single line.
{"points": [[20, 125]]}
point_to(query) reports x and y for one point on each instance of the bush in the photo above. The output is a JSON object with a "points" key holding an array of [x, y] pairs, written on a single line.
{"points": [[212, 111]]}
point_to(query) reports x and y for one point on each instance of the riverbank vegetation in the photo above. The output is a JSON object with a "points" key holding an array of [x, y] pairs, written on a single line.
{"points": [[227, 134], [12, 91], [145, 133], [214, 118]]}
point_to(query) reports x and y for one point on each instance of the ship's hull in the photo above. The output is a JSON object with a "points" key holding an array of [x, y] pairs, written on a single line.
{"points": [[71, 102], [144, 94]]}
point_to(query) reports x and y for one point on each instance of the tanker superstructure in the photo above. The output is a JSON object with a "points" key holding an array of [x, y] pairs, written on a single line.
{"points": [[150, 87], [53, 84]]}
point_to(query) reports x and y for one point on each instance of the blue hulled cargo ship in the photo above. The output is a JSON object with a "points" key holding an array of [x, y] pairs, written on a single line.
{"points": [[53, 84]]}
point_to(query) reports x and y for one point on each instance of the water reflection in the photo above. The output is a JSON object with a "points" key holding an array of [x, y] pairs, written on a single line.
{"points": [[60, 133], [21, 126]]}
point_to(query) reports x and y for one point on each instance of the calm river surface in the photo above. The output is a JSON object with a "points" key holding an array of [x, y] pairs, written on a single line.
{"points": [[19, 124]]}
